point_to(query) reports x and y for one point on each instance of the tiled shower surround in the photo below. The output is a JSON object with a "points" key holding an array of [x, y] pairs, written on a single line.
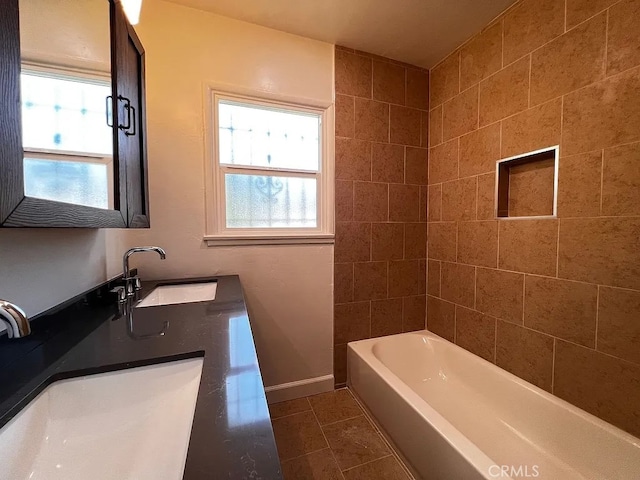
{"points": [[381, 189], [555, 301]]}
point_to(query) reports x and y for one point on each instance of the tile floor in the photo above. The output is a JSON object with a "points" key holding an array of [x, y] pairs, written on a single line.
{"points": [[329, 437]]}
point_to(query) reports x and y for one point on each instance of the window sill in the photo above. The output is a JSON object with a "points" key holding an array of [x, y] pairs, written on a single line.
{"points": [[227, 241]]}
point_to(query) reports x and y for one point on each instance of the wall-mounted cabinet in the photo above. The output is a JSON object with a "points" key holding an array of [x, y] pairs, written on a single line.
{"points": [[72, 116]]}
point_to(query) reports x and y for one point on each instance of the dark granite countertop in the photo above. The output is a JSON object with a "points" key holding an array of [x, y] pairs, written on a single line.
{"points": [[231, 437]]}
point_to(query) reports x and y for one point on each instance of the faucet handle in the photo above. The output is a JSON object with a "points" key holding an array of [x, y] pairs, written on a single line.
{"points": [[121, 291], [15, 319]]}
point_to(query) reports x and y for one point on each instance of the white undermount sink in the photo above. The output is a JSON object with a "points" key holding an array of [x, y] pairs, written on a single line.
{"points": [[183, 293], [124, 425]]}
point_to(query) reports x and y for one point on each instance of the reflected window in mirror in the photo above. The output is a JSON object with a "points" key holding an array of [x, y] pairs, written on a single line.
{"points": [[68, 145]]}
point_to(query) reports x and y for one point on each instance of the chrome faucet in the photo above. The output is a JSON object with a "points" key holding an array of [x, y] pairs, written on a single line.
{"points": [[132, 284], [15, 319]]}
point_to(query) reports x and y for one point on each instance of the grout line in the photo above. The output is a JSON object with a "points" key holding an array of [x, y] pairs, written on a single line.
{"points": [[498, 249], [291, 414], [353, 200], [560, 147], [370, 302], [458, 158], [495, 340], [367, 463], [592, 16], [475, 285], [372, 422], [457, 242], [563, 340], [502, 46], [599, 352], [372, 74], [530, 72], [477, 196], [553, 365], [565, 16], [338, 421], [601, 180], [370, 253], [606, 44], [406, 87], [353, 117], [455, 323], [459, 55], [325, 438], [558, 251], [597, 319], [304, 455], [555, 38], [524, 295], [388, 129], [477, 118], [441, 124]]}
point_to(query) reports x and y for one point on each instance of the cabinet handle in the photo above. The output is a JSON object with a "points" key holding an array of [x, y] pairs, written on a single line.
{"points": [[127, 107], [132, 111], [109, 111]]}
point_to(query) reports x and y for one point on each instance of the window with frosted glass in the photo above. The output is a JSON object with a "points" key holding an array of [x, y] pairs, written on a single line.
{"points": [[271, 160], [64, 114], [80, 183], [67, 143]]}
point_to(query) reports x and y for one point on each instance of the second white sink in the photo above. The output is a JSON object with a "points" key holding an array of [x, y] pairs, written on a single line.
{"points": [[183, 293], [131, 424]]}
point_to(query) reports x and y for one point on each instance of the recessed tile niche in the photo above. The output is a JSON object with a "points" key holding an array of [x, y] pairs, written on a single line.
{"points": [[527, 185]]}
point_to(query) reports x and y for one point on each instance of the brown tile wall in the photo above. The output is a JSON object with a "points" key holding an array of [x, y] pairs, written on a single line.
{"points": [[555, 301], [382, 117]]}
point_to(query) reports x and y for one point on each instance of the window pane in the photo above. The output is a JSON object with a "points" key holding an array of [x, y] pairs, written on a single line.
{"points": [[255, 201], [67, 115], [257, 136], [80, 183]]}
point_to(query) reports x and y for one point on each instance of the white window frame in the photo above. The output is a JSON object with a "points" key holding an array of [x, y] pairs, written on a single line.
{"points": [[73, 74], [217, 233]]}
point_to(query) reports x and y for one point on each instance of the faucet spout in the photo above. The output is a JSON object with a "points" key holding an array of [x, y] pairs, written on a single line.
{"points": [[15, 319], [131, 251], [132, 284]]}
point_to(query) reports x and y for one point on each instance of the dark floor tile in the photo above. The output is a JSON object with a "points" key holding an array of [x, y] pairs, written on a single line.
{"points": [[386, 468], [335, 406], [314, 466], [355, 442], [297, 435], [289, 407]]}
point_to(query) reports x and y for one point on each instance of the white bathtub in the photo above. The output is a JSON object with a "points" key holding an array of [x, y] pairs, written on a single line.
{"points": [[455, 416]]}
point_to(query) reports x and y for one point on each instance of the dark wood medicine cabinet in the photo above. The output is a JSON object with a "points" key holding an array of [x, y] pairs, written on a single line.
{"points": [[127, 185]]}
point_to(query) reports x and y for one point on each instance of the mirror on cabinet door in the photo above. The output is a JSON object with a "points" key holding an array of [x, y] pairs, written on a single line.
{"points": [[65, 84], [72, 138]]}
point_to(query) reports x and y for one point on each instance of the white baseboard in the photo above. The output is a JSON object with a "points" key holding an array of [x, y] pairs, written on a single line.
{"points": [[298, 389]]}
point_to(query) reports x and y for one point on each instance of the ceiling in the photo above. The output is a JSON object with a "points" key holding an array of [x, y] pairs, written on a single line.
{"points": [[419, 32]]}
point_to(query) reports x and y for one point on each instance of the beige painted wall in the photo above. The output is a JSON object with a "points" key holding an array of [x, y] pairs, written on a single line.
{"points": [[72, 33], [288, 288], [41, 268]]}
